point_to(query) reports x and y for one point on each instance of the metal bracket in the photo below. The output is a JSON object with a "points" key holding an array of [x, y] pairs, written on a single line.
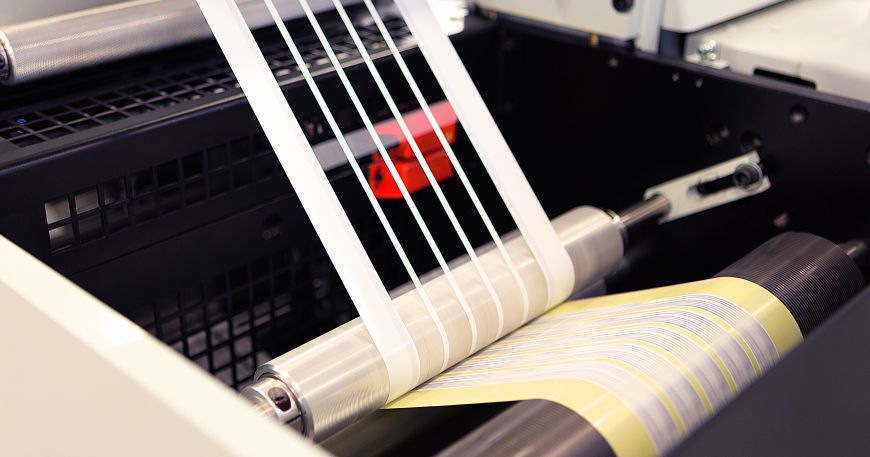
{"points": [[687, 197]]}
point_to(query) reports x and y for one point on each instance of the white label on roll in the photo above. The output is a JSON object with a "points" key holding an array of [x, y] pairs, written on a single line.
{"points": [[672, 362]]}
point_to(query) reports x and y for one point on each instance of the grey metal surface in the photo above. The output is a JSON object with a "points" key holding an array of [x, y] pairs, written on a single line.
{"points": [[533, 428], [15, 12], [386, 431], [340, 377], [57, 44]]}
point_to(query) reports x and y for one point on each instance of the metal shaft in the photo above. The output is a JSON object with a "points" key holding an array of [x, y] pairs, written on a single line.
{"points": [[648, 211], [857, 250], [339, 377]]}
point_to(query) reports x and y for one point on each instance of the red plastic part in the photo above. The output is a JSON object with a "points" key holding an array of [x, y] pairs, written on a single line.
{"points": [[411, 172], [407, 166]]}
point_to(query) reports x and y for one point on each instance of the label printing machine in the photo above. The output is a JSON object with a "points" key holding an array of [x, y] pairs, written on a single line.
{"points": [[138, 190]]}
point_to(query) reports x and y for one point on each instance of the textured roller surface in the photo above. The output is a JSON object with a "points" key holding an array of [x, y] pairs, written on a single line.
{"points": [[809, 274], [54, 45]]}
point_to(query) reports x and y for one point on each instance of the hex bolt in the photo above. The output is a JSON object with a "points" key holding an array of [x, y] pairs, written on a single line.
{"points": [[748, 176]]}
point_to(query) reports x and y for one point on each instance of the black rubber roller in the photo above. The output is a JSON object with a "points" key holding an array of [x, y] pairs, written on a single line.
{"points": [[809, 274]]}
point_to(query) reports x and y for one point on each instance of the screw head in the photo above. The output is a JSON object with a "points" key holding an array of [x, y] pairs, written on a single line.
{"points": [[782, 221], [717, 134], [798, 114], [748, 176], [623, 6], [271, 227], [708, 51], [750, 141]]}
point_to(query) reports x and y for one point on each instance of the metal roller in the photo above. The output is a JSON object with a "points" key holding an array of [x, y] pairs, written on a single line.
{"points": [[50, 46], [338, 378]]}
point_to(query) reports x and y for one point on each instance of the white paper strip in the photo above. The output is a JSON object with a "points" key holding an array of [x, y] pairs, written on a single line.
{"points": [[351, 159], [421, 160], [460, 171], [492, 148], [339, 238], [430, 240]]}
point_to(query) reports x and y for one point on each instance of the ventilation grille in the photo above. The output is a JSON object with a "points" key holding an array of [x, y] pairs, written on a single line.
{"points": [[104, 209], [34, 127], [233, 322]]}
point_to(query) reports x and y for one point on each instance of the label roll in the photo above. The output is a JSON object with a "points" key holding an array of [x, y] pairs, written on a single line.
{"points": [[633, 374]]}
